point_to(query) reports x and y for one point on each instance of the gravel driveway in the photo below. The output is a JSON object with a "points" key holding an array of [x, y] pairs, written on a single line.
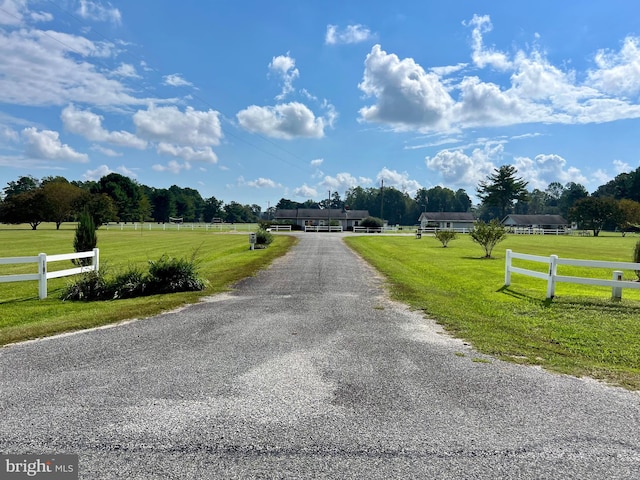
{"points": [[306, 371]]}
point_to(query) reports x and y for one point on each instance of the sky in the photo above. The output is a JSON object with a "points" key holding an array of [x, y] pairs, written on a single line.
{"points": [[254, 101]]}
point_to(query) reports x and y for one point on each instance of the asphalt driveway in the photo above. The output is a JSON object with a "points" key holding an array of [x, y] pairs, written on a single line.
{"points": [[305, 371]]}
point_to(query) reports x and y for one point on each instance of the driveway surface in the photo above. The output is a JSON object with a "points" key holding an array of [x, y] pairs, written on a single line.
{"points": [[305, 371]]}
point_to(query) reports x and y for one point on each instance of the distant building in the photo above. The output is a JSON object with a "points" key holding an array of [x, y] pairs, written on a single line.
{"points": [[446, 220], [321, 217], [535, 222]]}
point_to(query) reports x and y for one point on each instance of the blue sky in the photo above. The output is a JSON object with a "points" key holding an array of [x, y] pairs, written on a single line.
{"points": [[253, 101]]}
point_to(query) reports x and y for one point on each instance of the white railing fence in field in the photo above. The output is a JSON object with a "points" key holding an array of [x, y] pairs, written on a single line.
{"points": [[552, 277], [213, 227], [43, 274], [322, 228]]}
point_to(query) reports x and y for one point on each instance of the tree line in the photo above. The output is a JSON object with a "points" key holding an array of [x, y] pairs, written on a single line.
{"points": [[116, 197]]}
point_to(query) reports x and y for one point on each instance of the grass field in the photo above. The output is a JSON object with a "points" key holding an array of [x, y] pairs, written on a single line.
{"points": [[224, 258], [580, 332]]}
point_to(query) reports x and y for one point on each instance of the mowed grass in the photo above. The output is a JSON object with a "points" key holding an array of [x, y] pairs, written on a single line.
{"points": [[223, 258], [580, 332]]}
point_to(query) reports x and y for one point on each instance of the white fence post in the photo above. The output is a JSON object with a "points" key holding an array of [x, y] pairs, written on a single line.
{"points": [[96, 259], [553, 271], [42, 272], [616, 292], [507, 269]]}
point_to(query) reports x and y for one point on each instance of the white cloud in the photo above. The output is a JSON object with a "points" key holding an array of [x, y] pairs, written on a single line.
{"points": [[621, 167], [350, 34], [481, 55], [173, 166], [12, 12], [618, 72], [406, 96], [98, 173], [317, 162], [400, 181], [170, 125], [547, 168], [462, 170], [203, 154], [288, 120], [341, 182], [105, 151], [89, 125], [46, 144], [126, 70], [176, 80], [284, 67], [305, 191], [263, 183], [93, 10]]}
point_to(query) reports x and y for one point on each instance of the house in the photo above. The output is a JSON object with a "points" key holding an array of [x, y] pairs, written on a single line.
{"points": [[303, 217], [447, 220], [535, 222]]}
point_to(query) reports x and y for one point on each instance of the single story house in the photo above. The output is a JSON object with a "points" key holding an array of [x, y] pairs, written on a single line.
{"points": [[317, 217], [446, 220], [534, 222]]}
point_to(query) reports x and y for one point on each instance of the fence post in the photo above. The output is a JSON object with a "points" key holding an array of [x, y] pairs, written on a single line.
{"points": [[96, 259], [507, 269], [616, 292], [42, 272], [553, 271]]}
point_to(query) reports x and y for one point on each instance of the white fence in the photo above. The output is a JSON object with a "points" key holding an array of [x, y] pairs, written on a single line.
{"points": [[552, 277], [437, 229], [214, 227], [280, 228], [323, 228], [43, 275]]}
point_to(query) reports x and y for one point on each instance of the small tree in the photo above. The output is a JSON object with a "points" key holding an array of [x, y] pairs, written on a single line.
{"points": [[372, 222], [488, 235], [445, 236], [85, 238]]}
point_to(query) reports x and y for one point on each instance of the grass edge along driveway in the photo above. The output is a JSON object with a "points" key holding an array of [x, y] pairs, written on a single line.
{"points": [[581, 332], [223, 260]]}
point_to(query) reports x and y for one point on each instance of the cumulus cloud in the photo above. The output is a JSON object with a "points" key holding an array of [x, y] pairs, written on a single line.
{"points": [[547, 168], [173, 166], [398, 180], [105, 151], [406, 96], [350, 34], [463, 170], [284, 67], [343, 181], [126, 70], [317, 162], [263, 183], [170, 125], [176, 80], [305, 191], [287, 120], [621, 167], [202, 154], [89, 125], [46, 144]]}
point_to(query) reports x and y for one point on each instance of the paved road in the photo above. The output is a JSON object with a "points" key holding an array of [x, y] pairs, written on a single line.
{"points": [[306, 371]]}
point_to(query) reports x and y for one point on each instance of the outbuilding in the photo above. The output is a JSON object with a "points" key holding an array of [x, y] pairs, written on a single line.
{"points": [[458, 221], [314, 217]]}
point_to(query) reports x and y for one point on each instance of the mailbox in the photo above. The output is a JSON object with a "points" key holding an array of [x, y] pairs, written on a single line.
{"points": [[252, 239]]}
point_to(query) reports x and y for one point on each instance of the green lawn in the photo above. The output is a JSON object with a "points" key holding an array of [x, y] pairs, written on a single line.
{"points": [[580, 332], [224, 258]]}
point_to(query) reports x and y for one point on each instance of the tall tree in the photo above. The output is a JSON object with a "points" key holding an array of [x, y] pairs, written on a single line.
{"points": [[591, 213], [502, 188], [60, 198], [126, 194], [22, 185], [571, 194], [212, 209]]}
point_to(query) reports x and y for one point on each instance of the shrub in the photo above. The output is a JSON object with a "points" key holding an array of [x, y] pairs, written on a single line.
{"points": [[167, 275], [372, 222], [130, 283], [488, 235], [445, 236], [263, 237], [90, 286], [85, 238]]}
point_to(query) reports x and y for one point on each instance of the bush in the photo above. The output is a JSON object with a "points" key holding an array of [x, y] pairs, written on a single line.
{"points": [[167, 275], [85, 239], [371, 222], [263, 237], [488, 235], [445, 236], [636, 257]]}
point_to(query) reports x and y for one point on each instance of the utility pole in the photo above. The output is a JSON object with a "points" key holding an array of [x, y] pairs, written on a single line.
{"points": [[329, 206], [382, 200]]}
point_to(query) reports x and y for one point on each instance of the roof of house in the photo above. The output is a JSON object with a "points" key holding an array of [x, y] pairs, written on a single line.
{"points": [[447, 217], [535, 220], [315, 213]]}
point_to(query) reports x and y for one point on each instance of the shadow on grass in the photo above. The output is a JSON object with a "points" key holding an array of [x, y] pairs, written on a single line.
{"points": [[544, 302]]}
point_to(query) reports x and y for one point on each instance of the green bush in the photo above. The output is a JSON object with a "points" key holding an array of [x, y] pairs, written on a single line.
{"points": [[372, 222], [636, 257], [130, 283], [89, 286], [445, 236], [263, 237], [167, 275]]}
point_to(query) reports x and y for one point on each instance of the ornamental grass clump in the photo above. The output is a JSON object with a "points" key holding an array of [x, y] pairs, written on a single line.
{"points": [[168, 275]]}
